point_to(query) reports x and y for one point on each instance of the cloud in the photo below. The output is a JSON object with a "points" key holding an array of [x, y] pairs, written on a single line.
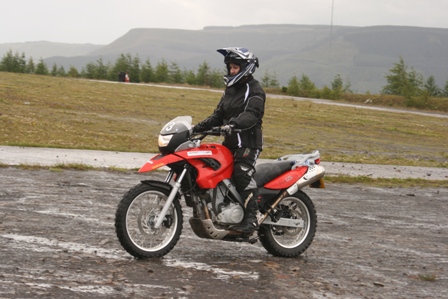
{"points": [[103, 21]]}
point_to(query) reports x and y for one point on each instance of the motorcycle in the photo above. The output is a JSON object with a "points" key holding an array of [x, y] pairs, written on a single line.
{"points": [[149, 219]]}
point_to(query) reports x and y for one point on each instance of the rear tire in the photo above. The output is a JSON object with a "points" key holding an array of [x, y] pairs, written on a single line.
{"points": [[135, 218], [288, 241]]}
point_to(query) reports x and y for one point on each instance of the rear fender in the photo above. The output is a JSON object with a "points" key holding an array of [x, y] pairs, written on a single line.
{"points": [[287, 179], [314, 174]]}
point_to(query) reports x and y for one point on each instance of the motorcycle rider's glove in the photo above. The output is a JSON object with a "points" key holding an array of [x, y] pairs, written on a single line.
{"points": [[196, 129], [227, 130]]}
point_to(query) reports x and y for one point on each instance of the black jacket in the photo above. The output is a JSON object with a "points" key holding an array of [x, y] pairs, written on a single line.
{"points": [[242, 105]]}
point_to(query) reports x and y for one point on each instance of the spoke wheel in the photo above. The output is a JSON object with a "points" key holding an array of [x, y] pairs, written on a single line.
{"points": [[291, 241], [136, 216]]}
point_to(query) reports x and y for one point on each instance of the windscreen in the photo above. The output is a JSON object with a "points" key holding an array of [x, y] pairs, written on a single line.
{"points": [[179, 124]]}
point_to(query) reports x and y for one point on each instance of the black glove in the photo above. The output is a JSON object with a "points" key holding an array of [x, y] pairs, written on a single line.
{"points": [[227, 130], [197, 129]]}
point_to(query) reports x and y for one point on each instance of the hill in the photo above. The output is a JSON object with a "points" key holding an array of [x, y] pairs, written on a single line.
{"points": [[44, 49], [361, 55]]}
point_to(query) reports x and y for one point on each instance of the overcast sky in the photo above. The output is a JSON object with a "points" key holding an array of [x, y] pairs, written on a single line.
{"points": [[103, 21]]}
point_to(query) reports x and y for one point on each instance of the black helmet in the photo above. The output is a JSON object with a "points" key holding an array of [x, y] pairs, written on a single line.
{"points": [[241, 56]]}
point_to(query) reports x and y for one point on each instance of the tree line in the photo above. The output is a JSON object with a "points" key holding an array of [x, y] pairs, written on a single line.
{"points": [[163, 72], [408, 83], [401, 80]]}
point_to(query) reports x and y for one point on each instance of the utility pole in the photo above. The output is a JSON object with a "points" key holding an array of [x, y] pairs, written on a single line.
{"points": [[331, 31]]}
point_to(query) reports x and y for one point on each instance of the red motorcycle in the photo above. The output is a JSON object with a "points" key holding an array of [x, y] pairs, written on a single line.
{"points": [[149, 219]]}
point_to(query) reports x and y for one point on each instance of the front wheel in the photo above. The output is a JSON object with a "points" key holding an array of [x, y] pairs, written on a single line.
{"points": [[136, 215], [285, 241]]}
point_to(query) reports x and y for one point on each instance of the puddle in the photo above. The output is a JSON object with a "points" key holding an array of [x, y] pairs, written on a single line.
{"points": [[220, 273], [74, 247], [47, 245]]}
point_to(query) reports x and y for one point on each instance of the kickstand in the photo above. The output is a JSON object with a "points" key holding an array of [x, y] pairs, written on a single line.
{"points": [[253, 240]]}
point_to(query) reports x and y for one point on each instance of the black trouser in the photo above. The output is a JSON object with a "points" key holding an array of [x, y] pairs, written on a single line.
{"points": [[244, 169]]}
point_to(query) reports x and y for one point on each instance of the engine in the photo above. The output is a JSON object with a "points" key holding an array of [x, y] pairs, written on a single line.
{"points": [[226, 211], [231, 214]]}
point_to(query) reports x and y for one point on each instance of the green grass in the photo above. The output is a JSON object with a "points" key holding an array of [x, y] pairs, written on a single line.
{"points": [[427, 277], [386, 182], [45, 111], [430, 104]]}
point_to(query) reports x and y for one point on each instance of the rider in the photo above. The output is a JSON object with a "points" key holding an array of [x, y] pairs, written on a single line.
{"points": [[241, 107]]}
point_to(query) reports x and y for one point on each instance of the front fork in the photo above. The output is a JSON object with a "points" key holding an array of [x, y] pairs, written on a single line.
{"points": [[172, 195]]}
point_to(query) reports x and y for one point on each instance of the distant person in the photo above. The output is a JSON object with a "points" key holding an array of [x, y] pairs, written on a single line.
{"points": [[121, 76], [241, 107], [126, 77]]}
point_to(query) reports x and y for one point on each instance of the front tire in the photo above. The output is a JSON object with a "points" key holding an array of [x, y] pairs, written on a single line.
{"points": [[136, 215], [291, 241]]}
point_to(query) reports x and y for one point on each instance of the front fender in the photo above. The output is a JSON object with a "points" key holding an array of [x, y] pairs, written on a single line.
{"points": [[158, 184], [159, 161]]}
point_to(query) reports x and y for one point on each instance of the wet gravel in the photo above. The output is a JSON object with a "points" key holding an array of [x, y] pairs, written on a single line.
{"points": [[57, 240]]}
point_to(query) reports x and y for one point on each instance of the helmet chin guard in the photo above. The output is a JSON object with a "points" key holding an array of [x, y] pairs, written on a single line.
{"points": [[244, 58]]}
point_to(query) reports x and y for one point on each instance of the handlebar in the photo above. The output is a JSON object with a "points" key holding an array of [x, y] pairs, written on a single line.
{"points": [[219, 130], [215, 131]]}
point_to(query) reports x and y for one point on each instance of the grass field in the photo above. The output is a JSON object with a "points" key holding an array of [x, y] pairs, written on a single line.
{"points": [[46, 111]]}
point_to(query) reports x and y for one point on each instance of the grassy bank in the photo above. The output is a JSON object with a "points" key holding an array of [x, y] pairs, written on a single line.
{"points": [[46, 111]]}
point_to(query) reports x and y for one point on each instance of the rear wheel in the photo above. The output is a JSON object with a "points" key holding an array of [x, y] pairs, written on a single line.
{"points": [[285, 241], [135, 218]]}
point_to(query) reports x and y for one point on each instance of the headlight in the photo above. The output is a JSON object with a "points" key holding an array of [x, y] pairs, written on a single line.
{"points": [[164, 140]]}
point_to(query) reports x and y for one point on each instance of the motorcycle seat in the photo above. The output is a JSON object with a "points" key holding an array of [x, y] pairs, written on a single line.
{"points": [[268, 171]]}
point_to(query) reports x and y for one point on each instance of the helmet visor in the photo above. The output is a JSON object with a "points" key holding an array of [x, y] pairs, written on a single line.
{"points": [[232, 59]]}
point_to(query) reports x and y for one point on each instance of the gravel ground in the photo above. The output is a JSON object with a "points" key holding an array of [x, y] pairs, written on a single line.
{"points": [[57, 240]]}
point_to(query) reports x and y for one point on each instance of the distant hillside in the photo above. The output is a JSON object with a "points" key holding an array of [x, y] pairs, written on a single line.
{"points": [[361, 55], [45, 49]]}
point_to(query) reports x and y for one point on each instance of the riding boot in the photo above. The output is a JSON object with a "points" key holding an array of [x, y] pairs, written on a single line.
{"points": [[250, 221]]}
